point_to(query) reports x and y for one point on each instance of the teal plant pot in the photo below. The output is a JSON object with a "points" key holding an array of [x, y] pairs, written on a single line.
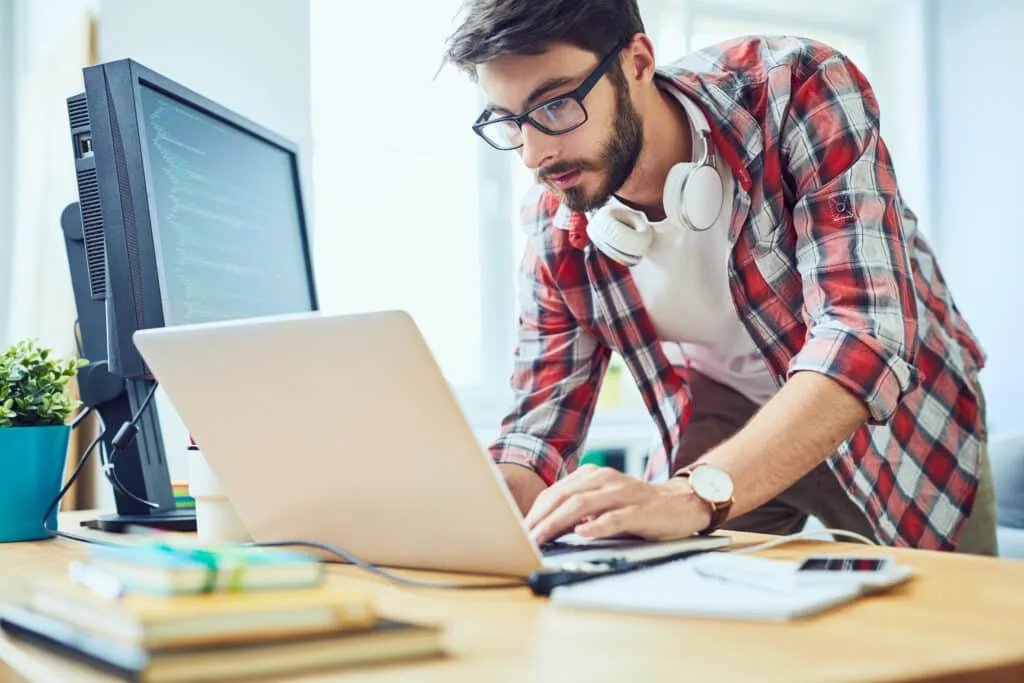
{"points": [[31, 467]]}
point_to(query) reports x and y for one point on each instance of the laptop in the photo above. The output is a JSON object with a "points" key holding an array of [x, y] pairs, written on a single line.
{"points": [[341, 429]]}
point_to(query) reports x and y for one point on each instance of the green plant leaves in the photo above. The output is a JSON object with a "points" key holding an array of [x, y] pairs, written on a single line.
{"points": [[33, 386]]}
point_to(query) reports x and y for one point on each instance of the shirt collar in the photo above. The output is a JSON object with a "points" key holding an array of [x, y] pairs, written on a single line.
{"points": [[564, 213]]}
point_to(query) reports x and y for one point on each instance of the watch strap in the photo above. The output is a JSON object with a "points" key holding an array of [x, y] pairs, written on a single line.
{"points": [[719, 513]]}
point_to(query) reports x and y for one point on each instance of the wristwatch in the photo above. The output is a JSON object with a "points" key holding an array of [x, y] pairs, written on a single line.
{"points": [[714, 486]]}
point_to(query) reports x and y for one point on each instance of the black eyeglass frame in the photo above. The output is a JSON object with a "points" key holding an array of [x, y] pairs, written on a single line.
{"points": [[578, 94]]}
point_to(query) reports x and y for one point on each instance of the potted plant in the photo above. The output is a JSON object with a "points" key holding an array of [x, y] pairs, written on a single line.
{"points": [[34, 408]]}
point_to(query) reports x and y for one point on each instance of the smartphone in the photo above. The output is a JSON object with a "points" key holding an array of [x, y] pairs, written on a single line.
{"points": [[859, 565], [869, 572]]}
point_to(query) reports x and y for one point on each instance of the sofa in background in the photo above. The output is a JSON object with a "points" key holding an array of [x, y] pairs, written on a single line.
{"points": [[1007, 455]]}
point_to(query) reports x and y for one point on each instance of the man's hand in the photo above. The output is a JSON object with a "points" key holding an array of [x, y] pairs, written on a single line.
{"points": [[599, 502], [524, 484]]}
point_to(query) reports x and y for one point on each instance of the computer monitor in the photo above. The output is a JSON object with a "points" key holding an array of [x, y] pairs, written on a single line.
{"points": [[189, 213], [202, 209]]}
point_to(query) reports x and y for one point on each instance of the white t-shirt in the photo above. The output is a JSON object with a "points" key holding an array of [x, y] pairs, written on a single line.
{"points": [[683, 280]]}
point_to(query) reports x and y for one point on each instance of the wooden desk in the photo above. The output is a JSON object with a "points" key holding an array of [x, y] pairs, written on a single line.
{"points": [[961, 619]]}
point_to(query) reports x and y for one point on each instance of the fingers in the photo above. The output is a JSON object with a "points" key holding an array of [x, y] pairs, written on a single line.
{"points": [[578, 508], [553, 496], [623, 520]]}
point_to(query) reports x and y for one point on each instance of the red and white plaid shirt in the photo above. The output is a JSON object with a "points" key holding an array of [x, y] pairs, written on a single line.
{"points": [[827, 272]]}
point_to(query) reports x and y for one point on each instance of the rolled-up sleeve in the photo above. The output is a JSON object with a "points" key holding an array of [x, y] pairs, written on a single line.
{"points": [[557, 371], [859, 304]]}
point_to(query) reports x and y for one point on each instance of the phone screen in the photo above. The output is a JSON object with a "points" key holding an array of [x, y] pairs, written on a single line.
{"points": [[841, 564]]}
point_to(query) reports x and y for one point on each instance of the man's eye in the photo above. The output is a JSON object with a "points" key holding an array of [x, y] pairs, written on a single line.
{"points": [[556, 108]]}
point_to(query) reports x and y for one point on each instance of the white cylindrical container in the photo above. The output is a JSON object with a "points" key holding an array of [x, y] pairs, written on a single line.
{"points": [[216, 520]]}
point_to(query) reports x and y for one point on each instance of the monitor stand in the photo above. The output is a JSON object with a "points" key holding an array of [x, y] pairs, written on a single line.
{"points": [[171, 520], [141, 468], [113, 397]]}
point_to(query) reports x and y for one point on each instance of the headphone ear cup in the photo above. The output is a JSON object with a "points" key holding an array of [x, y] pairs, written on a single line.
{"points": [[621, 235], [702, 197], [693, 195]]}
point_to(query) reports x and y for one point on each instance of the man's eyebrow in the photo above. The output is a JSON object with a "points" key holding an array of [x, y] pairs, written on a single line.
{"points": [[535, 94], [547, 86]]}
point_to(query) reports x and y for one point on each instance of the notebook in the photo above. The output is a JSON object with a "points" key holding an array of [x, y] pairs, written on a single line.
{"points": [[152, 621], [675, 588], [386, 640], [165, 569]]}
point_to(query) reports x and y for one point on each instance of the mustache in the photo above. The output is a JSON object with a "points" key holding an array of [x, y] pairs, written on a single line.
{"points": [[560, 167]]}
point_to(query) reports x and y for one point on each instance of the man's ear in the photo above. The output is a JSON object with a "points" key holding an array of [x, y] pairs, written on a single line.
{"points": [[638, 59]]}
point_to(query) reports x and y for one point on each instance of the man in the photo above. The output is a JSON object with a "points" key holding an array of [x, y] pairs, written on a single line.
{"points": [[732, 226]]}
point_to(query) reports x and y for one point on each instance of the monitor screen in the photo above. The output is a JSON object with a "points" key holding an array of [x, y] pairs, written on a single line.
{"points": [[225, 214]]}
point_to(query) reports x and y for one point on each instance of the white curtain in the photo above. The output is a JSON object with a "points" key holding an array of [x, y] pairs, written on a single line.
{"points": [[41, 304]]}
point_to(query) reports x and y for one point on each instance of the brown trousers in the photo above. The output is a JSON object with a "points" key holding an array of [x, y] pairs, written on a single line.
{"points": [[719, 412]]}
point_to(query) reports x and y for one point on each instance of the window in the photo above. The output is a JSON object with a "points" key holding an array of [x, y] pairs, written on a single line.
{"points": [[7, 99], [397, 189]]}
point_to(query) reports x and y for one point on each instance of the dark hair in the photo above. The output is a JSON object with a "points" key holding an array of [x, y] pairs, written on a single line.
{"points": [[493, 28]]}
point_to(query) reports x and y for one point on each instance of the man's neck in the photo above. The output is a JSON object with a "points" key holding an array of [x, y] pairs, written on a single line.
{"points": [[668, 140]]}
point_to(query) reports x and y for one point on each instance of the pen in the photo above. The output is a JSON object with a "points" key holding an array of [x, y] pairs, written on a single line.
{"points": [[752, 577]]}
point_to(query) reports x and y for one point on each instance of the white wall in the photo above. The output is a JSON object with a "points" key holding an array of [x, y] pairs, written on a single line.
{"points": [[979, 104], [251, 56], [900, 83], [248, 55]]}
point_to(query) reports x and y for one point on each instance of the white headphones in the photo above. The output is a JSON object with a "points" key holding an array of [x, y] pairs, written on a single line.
{"points": [[692, 198]]}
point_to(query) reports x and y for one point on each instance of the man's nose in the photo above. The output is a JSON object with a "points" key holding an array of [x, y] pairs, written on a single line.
{"points": [[538, 148]]}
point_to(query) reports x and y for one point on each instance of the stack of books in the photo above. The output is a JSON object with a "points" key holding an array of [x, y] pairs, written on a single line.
{"points": [[165, 613], [182, 499]]}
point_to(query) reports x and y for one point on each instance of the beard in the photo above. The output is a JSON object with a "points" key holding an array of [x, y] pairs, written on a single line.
{"points": [[615, 162]]}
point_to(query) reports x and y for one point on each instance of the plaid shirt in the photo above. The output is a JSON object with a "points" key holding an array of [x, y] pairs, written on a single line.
{"points": [[827, 272]]}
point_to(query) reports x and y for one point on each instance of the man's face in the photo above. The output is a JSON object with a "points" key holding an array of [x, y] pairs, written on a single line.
{"points": [[584, 166]]}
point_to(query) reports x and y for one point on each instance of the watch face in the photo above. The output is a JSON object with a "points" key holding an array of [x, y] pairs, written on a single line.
{"points": [[711, 483]]}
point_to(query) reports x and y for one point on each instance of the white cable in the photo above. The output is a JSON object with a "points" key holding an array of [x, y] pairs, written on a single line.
{"points": [[802, 534]]}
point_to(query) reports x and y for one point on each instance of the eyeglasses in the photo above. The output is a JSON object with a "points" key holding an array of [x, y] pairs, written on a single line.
{"points": [[556, 116]]}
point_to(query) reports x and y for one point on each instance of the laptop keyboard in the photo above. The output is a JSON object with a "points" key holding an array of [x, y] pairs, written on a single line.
{"points": [[558, 548], [552, 548]]}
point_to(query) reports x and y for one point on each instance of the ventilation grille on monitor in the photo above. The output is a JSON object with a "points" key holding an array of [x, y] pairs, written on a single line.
{"points": [[78, 112], [92, 230]]}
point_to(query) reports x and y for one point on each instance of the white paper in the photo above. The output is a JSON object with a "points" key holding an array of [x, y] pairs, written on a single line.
{"points": [[675, 588]]}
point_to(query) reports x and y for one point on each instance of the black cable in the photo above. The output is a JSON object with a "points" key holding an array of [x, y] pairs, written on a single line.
{"points": [[124, 438], [128, 431], [115, 481], [395, 578], [126, 434], [373, 569], [85, 539], [86, 454], [81, 416], [111, 473], [71, 480]]}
